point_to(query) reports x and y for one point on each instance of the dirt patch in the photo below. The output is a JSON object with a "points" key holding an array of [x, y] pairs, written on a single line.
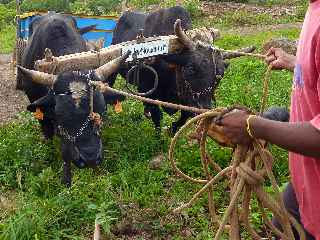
{"points": [[7, 204], [12, 101]]}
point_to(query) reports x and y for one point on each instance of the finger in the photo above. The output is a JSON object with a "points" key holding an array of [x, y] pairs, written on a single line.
{"points": [[270, 59], [276, 65], [270, 51]]}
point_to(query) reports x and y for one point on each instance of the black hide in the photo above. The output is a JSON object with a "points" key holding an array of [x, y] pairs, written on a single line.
{"points": [[197, 68], [66, 105], [280, 114]]}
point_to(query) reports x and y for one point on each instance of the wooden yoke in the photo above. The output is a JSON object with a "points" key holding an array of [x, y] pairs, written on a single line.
{"points": [[93, 59]]}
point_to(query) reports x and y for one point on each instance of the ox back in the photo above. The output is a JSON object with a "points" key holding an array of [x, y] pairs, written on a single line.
{"points": [[157, 23]]}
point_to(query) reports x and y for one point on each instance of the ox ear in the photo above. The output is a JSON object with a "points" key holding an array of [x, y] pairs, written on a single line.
{"points": [[87, 29], [44, 102], [113, 98]]}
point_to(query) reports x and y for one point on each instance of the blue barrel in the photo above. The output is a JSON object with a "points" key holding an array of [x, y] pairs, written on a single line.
{"points": [[104, 29]]}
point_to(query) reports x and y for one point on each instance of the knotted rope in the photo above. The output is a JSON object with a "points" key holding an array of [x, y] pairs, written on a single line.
{"points": [[249, 168], [247, 172]]}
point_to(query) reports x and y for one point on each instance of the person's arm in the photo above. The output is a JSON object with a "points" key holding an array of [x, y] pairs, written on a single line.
{"points": [[302, 138], [279, 59]]}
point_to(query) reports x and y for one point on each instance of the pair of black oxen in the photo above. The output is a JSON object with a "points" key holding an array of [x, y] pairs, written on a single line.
{"points": [[64, 98]]}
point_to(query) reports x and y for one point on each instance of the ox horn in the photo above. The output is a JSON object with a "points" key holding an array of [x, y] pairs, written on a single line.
{"points": [[238, 53], [107, 69], [39, 77], [183, 38]]}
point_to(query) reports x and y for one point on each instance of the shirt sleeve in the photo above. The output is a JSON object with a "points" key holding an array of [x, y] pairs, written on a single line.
{"points": [[316, 120]]}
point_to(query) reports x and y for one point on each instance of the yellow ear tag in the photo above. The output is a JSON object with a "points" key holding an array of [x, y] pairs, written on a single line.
{"points": [[38, 114], [118, 107]]}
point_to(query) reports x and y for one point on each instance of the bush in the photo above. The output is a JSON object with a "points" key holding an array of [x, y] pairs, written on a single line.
{"points": [[192, 6], [49, 5], [7, 38], [100, 7], [7, 15]]}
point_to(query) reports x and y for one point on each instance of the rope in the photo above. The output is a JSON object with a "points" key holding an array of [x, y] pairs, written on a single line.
{"points": [[245, 178], [266, 81], [157, 102], [256, 55], [247, 172]]}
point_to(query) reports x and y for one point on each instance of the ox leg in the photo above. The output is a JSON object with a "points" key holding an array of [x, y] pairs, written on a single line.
{"points": [[47, 128], [67, 173], [156, 116], [66, 156], [181, 121]]}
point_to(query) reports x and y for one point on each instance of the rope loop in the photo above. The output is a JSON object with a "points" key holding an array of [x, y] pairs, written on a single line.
{"points": [[136, 71]]}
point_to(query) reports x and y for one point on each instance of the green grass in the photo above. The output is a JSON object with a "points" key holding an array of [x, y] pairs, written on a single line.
{"points": [[124, 193], [240, 18], [7, 39]]}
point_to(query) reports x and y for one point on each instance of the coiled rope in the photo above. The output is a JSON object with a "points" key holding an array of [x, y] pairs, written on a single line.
{"points": [[245, 178], [249, 168]]}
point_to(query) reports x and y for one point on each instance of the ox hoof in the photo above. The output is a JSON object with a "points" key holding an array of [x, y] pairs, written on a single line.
{"points": [[147, 114], [156, 162], [67, 183]]}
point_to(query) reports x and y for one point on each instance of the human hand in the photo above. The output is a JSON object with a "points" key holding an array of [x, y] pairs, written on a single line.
{"points": [[278, 59], [235, 127]]}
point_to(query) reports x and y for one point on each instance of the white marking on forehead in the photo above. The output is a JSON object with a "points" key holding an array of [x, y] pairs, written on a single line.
{"points": [[78, 90]]}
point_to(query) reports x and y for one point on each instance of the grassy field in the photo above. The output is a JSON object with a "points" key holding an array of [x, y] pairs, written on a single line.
{"points": [[124, 195]]}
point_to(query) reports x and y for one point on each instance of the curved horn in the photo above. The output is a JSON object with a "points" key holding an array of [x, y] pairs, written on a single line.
{"points": [[183, 38], [107, 69], [39, 77]]}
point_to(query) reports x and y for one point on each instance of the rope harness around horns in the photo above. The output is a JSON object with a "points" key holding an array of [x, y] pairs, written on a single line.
{"points": [[249, 168]]}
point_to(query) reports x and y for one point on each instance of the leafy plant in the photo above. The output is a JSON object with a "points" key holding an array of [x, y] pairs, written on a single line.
{"points": [[48, 5]]}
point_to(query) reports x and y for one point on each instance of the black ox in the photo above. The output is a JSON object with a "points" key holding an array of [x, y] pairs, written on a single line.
{"points": [[64, 99], [189, 77]]}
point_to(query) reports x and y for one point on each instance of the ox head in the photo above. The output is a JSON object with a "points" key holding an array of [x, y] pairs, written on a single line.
{"points": [[201, 68], [67, 104]]}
